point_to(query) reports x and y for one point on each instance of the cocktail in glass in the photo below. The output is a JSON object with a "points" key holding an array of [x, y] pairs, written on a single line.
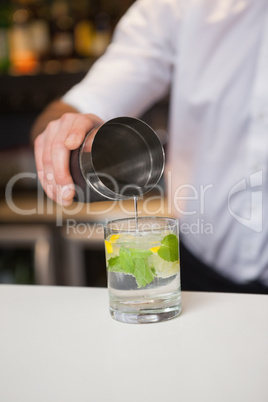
{"points": [[142, 259]]}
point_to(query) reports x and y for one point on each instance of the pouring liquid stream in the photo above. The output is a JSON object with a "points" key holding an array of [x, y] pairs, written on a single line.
{"points": [[135, 198]]}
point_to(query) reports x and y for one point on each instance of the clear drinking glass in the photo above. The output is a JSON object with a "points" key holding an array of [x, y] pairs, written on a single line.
{"points": [[143, 270]]}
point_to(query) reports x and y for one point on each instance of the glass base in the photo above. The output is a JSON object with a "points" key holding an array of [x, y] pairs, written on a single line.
{"points": [[146, 316]]}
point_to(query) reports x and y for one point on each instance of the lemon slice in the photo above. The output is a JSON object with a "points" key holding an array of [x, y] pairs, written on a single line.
{"points": [[114, 237], [163, 268], [109, 244], [154, 249], [109, 247]]}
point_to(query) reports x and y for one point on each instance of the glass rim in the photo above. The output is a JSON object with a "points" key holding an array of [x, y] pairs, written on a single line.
{"points": [[108, 224]]}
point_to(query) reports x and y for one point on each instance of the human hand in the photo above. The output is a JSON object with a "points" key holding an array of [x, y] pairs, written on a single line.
{"points": [[52, 153]]}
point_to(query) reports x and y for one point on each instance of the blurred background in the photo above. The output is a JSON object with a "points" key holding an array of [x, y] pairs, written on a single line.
{"points": [[45, 48]]}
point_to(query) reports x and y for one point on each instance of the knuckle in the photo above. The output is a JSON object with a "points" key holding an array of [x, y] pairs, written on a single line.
{"points": [[81, 120], [87, 120], [50, 125], [62, 176], [84, 117], [67, 117], [46, 158], [57, 145]]}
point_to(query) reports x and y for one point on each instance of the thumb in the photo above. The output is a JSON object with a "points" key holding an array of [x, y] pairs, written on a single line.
{"points": [[81, 126], [74, 139]]}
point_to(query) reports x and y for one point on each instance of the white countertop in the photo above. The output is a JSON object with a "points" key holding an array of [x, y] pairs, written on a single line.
{"points": [[61, 345]]}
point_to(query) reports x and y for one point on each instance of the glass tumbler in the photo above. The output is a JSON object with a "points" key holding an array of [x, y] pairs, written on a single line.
{"points": [[143, 269]]}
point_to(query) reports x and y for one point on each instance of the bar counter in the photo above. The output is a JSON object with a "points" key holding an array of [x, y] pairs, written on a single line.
{"points": [[60, 344]]}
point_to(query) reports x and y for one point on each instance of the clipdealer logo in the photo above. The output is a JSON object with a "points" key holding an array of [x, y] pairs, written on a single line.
{"points": [[252, 215]]}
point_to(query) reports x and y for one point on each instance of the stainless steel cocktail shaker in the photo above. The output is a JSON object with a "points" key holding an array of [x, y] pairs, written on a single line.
{"points": [[120, 159]]}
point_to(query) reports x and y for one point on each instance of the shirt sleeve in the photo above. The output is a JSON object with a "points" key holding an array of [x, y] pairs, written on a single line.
{"points": [[136, 69]]}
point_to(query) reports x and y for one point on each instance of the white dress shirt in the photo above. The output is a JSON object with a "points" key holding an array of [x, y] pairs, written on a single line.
{"points": [[213, 57]]}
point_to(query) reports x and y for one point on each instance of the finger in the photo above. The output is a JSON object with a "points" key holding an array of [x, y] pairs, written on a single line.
{"points": [[49, 176], [38, 148], [50, 185], [65, 189], [61, 148], [60, 158]]}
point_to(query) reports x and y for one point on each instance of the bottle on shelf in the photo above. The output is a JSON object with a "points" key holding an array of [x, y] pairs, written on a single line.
{"points": [[102, 34], [51, 36], [83, 28], [62, 42], [40, 30], [5, 23], [22, 55]]}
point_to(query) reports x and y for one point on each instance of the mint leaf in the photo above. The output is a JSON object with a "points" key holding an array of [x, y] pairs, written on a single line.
{"points": [[135, 262], [142, 272], [169, 249], [126, 260], [114, 265], [139, 253]]}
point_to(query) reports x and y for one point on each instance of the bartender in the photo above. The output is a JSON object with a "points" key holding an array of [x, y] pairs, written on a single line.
{"points": [[212, 56]]}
